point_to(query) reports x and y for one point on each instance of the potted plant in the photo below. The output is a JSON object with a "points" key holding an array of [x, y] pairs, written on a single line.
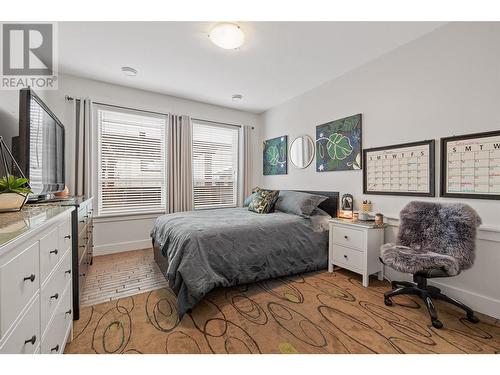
{"points": [[13, 193]]}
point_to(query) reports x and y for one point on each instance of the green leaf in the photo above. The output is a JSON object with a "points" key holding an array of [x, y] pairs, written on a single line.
{"points": [[11, 184], [339, 146], [272, 155]]}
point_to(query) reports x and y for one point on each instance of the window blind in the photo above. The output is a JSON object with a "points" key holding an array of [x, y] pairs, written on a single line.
{"points": [[215, 165], [131, 161]]}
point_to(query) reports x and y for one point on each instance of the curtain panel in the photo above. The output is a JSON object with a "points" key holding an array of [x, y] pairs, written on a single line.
{"points": [[83, 157], [246, 163], [179, 164]]}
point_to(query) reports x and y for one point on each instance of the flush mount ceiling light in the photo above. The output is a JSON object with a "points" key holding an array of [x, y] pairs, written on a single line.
{"points": [[236, 97], [227, 35], [128, 71]]}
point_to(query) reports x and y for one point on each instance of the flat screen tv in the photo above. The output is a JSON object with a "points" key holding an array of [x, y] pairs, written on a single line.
{"points": [[40, 146]]}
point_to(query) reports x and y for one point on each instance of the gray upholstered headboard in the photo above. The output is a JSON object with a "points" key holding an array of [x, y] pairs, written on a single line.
{"points": [[331, 204]]}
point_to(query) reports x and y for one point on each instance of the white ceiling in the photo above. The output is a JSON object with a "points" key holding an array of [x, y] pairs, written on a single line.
{"points": [[278, 61]]}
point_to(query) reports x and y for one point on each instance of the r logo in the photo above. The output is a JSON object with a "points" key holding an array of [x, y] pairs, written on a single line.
{"points": [[28, 49]]}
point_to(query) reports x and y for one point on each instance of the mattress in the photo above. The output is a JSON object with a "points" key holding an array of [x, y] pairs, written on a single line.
{"points": [[226, 247]]}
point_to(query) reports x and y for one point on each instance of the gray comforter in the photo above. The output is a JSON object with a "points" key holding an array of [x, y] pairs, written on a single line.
{"points": [[226, 247]]}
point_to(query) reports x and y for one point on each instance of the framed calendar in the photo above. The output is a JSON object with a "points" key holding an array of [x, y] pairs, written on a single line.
{"points": [[404, 169], [470, 166]]}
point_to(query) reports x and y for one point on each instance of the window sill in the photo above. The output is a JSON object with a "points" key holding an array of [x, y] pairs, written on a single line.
{"points": [[127, 216]]}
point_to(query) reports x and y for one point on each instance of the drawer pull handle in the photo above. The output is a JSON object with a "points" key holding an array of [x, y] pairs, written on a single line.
{"points": [[32, 340], [68, 312], [82, 221], [55, 348], [55, 252], [346, 237], [68, 236], [30, 278], [55, 296], [68, 272]]}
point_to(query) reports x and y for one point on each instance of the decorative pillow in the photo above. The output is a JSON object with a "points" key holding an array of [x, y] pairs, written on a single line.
{"points": [[248, 199], [263, 201], [298, 203]]}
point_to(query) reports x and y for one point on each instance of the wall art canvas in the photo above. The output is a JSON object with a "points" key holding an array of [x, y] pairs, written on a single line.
{"points": [[338, 145], [275, 156]]}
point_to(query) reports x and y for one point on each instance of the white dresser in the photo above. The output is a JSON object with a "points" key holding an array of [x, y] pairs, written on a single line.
{"points": [[356, 247], [35, 280]]}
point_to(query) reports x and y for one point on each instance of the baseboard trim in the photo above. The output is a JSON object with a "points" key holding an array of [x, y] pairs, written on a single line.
{"points": [[477, 302], [120, 247]]}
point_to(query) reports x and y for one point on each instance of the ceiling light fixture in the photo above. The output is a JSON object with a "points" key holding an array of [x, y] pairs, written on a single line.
{"points": [[128, 71], [227, 35], [236, 97]]}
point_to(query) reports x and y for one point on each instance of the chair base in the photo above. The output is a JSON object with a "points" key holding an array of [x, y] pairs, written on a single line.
{"points": [[427, 293]]}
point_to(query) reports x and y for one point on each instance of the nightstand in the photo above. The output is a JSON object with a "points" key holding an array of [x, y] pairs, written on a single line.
{"points": [[356, 246]]}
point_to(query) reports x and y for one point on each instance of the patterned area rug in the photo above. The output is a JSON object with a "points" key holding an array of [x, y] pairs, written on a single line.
{"points": [[313, 313]]}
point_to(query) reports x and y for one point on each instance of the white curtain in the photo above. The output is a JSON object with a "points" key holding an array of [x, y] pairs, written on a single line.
{"points": [[246, 163], [83, 157], [179, 164]]}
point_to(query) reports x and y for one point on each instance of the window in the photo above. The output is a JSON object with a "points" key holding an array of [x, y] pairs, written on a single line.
{"points": [[131, 161], [215, 165]]}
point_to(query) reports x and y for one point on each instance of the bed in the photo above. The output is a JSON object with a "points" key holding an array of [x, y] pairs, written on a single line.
{"points": [[198, 251]]}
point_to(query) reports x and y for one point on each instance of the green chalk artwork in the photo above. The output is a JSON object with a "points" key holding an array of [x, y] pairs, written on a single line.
{"points": [[275, 156], [338, 145]]}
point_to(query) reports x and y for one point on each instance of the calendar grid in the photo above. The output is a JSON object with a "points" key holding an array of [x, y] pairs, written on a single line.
{"points": [[471, 166], [406, 169]]}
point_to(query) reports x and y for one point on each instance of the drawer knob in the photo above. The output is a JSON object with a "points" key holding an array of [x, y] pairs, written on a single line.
{"points": [[68, 236], [68, 312], [68, 272], [55, 296], [82, 275], [345, 256], [346, 237], [55, 252], [55, 348], [30, 278], [82, 221], [32, 340]]}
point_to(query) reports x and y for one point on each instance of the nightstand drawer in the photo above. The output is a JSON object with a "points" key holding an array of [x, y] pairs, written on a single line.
{"points": [[348, 237], [349, 257]]}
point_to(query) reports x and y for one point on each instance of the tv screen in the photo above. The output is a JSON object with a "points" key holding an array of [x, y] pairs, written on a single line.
{"points": [[40, 145]]}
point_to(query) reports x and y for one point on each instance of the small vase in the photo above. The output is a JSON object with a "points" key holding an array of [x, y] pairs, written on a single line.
{"points": [[10, 202]]}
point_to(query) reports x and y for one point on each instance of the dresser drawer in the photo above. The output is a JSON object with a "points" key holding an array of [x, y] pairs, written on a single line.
{"points": [[54, 339], [25, 338], [348, 237], [50, 253], [52, 292], [348, 257], [83, 218], [65, 235], [19, 281]]}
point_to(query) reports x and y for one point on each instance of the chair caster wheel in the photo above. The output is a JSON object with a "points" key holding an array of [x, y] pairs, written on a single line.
{"points": [[437, 324], [387, 302], [473, 319]]}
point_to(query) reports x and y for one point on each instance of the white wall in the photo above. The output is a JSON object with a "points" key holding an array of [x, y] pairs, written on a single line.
{"points": [[123, 233], [445, 83]]}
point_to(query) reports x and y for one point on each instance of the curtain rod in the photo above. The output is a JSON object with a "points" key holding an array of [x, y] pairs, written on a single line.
{"points": [[70, 98]]}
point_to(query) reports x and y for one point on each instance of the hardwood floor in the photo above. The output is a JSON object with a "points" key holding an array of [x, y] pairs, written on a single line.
{"points": [[120, 275]]}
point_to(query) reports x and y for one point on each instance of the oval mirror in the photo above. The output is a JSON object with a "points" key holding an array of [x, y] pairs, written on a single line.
{"points": [[302, 151]]}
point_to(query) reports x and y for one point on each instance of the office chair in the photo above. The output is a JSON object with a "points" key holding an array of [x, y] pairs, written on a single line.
{"points": [[434, 240]]}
